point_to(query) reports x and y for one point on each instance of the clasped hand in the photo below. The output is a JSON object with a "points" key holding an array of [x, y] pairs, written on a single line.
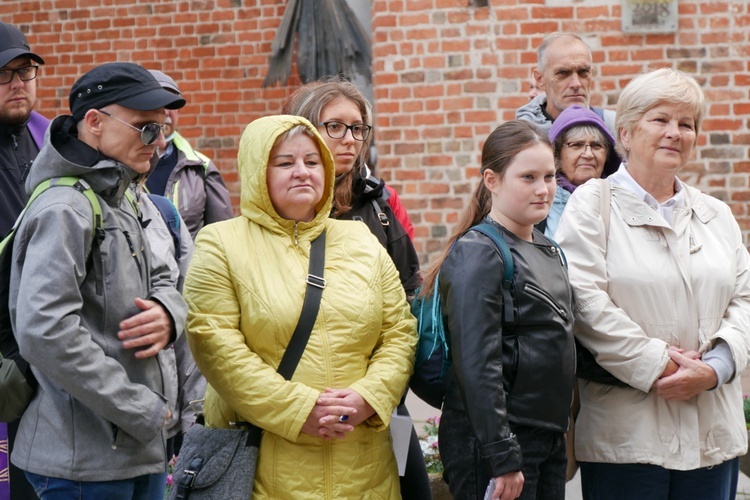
{"points": [[686, 376], [325, 419]]}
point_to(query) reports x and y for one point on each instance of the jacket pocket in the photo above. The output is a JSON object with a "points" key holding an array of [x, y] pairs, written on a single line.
{"points": [[546, 298], [121, 439]]}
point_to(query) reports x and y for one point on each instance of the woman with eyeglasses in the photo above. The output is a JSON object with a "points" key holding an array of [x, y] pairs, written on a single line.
{"points": [[343, 118], [582, 144]]}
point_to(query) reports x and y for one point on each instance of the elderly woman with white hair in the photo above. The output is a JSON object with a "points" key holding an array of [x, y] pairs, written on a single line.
{"points": [[662, 290]]}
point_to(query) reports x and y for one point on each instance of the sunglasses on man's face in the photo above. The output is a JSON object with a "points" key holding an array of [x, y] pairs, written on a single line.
{"points": [[149, 132]]}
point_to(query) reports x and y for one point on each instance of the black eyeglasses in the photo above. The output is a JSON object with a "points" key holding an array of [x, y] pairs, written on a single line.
{"points": [[580, 146], [337, 130], [25, 73], [149, 132]]}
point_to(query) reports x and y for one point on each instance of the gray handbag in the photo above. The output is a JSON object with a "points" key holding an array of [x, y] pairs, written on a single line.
{"points": [[216, 463], [220, 463]]}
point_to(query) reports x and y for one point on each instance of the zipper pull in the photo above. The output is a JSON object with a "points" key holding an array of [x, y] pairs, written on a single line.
{"points": [[559, 255], [15, 143]]}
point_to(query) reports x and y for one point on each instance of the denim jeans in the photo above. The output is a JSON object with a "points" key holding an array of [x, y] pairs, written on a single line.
{"points": [[467, 475], [651, 482], [52, 488]]}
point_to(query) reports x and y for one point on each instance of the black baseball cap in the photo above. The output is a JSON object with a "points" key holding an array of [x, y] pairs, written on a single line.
{"points": [[13, 44], [126, 84]]}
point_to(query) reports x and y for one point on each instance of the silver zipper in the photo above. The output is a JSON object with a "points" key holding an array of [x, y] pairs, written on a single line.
{"points": [[538, 293]]}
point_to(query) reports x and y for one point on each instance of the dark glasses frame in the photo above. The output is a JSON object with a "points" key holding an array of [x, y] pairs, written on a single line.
{"points": [[360, 131], [149, 132], [30, 73]]}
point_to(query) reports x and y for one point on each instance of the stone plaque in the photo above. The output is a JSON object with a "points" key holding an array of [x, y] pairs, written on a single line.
{"points": [[649, 16]]}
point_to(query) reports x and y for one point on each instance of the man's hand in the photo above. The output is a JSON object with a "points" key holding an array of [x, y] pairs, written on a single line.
{"points": [[691, 378], [508, 486], [151, 329]]}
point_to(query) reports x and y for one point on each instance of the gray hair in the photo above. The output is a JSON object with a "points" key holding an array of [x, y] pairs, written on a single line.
{"points": [[541, 51], [648, 90]]}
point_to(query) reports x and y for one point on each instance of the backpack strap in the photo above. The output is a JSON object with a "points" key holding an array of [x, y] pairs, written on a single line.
{"points": [[169, 213], [79, 185], [382, 217], [509, 310], [83, 187]]}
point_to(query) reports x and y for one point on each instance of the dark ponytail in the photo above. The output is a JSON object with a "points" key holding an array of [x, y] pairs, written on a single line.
{"points": [[499, 150]]}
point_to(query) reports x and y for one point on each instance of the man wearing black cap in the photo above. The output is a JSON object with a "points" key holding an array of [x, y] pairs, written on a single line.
{"points": [[21, 137], [21, 129], [90, 307], [187, 177]]}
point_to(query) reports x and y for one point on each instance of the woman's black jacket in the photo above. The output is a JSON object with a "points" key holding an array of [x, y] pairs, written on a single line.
{"points": [[371, 207], [508, 374]]}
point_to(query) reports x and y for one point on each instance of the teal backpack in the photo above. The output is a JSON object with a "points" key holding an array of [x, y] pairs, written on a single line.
{"points": [[432, 366], [17, 383]]}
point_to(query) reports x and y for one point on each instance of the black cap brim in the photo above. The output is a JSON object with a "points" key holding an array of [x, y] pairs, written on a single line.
{"points": [[7, 56], [153, 99]]}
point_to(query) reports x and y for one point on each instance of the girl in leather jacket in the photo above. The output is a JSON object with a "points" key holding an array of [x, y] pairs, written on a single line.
{"points": [[506, 407]]}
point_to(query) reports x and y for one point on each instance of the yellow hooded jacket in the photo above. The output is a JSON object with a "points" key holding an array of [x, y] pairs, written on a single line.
{"points": [[245, 289]]}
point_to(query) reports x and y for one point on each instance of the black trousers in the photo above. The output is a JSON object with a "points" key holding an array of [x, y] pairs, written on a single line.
{"points": [[467, 474]]}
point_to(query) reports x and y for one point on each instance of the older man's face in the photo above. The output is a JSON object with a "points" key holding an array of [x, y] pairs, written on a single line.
{"points": [[17, 97], [121, 142], [567, 75]]}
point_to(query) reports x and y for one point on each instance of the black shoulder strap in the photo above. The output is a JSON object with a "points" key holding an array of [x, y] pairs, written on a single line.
{"points": [[315, 285], [382, 216]]}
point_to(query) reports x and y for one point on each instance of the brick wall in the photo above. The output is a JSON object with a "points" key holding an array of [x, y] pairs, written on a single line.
{"points": [[445, 74], [217, 51]]}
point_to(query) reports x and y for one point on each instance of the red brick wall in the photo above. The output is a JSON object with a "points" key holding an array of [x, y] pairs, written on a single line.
{"points": [[445, 74], [217, 51]]}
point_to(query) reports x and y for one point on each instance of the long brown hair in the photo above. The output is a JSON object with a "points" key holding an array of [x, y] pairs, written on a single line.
{"points": [[309, 101], [499, 150]]}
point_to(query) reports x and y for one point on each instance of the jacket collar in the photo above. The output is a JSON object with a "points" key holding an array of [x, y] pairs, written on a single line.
{"points": [[635, 212]]}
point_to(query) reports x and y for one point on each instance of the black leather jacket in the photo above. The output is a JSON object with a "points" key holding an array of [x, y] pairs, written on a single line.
{"points": [[505, 374]]}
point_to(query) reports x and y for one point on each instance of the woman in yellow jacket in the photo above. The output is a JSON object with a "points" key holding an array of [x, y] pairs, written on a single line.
{"points": [[325, 429]]}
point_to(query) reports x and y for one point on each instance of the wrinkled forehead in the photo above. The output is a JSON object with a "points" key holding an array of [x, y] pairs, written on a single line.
{"points": [[568, 54]]}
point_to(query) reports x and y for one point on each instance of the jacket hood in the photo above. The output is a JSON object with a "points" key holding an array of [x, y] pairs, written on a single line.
{"points": [[532, 112], [63, 154], [256, 143], [368, 188]]}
